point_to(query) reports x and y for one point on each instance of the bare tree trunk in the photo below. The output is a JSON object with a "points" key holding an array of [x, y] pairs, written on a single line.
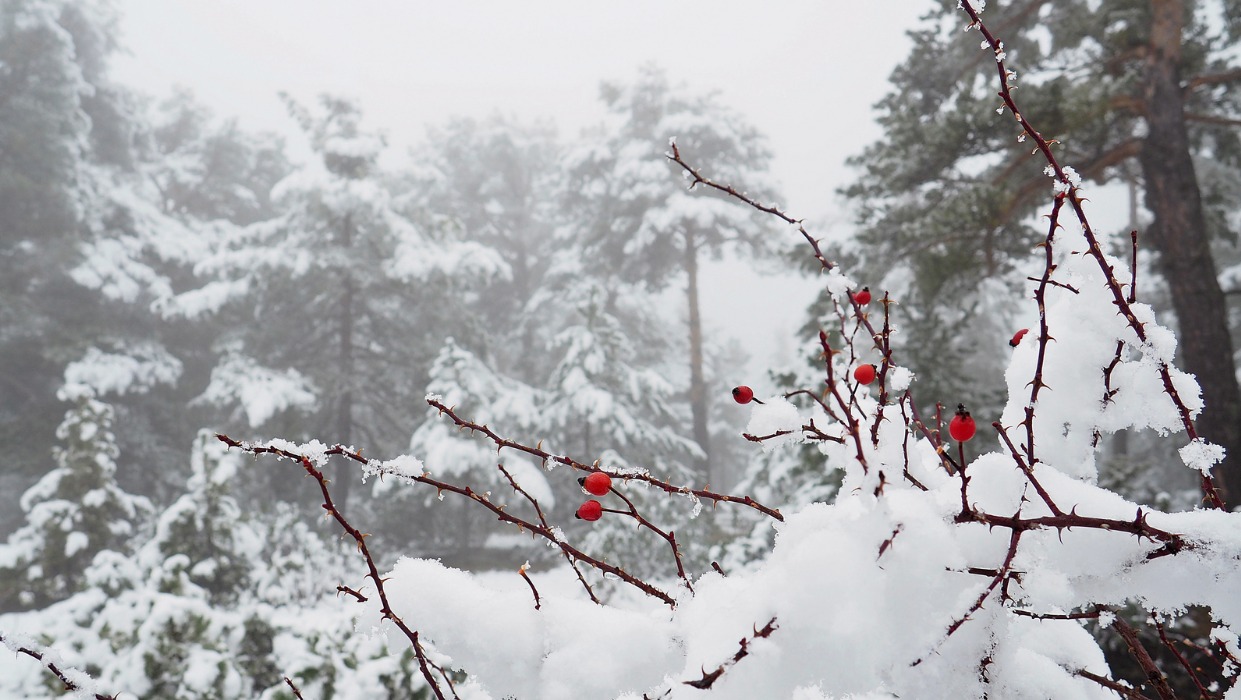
{"points": [[344, 404], [697, 386], [1179, 234]]}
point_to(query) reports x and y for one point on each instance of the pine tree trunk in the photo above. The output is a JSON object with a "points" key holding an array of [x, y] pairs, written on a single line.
{"points": [[344, 405], [1179, 234], [697, 386]]}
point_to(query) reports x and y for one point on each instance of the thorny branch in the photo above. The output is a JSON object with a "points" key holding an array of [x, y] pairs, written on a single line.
{"points": [[1143, 657], [550, 534], [42, 656], [709, 678], [844, 409], [425, 665], [297, 692], [537, 451]]}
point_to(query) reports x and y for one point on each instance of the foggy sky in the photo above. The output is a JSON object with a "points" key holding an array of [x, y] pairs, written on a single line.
{"points": [[805, 73]]}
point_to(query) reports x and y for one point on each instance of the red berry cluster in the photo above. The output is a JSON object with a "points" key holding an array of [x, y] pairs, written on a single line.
{"points": [[598, 484]]}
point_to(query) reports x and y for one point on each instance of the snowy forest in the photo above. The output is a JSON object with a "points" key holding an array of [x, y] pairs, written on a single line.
{"points": [[282, 421]]}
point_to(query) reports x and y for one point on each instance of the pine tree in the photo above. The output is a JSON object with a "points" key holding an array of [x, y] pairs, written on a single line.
{"points": [[636, 222], [45, 140], [499, 182], [608, 401], [328, 302], [218, 603], [1132, 92], [454, 529], [74, 512]]}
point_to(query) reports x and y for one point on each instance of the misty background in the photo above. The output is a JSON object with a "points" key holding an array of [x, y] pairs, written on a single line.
{"points": [[804, 73]]}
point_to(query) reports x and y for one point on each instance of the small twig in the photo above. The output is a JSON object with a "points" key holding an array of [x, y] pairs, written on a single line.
{"points": [[1110, 684], [522, 570], [82, 684], [761, 438], [549, 534], [385, 607], [1054, 283], [1000, 575], [846, 406], [698, 179], [1025, 468], [1085, 615], [538, 511], [297, 693], [667, 535], [1163, 637]]}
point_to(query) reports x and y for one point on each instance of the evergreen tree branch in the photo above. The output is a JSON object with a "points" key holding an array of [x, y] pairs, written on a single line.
{"points": [[1224, 78], [1212, 119]]}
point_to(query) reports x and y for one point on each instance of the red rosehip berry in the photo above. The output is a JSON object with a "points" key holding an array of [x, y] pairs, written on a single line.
{"points": [[1018, 336], [597, 483], [962, 426], [862, 297], [864, 374], [589, 511], [744, 394]]}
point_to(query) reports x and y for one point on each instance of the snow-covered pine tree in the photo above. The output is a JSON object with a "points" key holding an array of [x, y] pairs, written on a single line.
{"points": [[58, 115], [452, 529], [345, 273], [499, 183], [632, 219], [73, 513], [217, 603]]}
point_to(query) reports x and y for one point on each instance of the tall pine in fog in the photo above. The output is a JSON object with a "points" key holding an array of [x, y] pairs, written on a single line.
{"points": [[1132, 91], [99, 232], [636, 218], [53, 58], [606, 397], [74, 512], [332, 303], [498, 182], [560, 350]]}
